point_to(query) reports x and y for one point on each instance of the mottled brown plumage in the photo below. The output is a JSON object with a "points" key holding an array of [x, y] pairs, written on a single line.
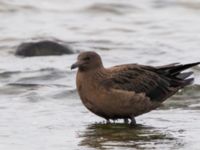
{"points": [[126, 91]]}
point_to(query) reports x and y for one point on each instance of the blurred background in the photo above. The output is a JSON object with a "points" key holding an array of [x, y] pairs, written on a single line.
{"points": [[39, 106]]}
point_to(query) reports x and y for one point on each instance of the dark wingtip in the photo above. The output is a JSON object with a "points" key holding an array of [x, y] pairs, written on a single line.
{"points": [[177, 69]]}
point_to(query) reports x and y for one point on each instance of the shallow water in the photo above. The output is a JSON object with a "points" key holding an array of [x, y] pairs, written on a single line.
{"points": [[39, 106]]}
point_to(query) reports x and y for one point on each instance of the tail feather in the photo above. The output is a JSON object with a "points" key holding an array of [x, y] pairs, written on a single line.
{"points": [[184, 75], [175, 75], [187, 82]]}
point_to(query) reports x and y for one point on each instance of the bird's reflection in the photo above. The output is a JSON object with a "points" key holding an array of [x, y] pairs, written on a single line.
{"points": [[118, 136]]}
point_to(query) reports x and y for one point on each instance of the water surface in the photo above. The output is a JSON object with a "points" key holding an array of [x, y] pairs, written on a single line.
{"points": [[39, 106]]}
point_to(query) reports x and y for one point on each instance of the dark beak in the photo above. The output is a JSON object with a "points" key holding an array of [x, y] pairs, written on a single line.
{"points": [[75, 65]]}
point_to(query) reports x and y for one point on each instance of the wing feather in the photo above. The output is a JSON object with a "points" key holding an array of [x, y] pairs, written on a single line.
{"points": [[140, 80]]}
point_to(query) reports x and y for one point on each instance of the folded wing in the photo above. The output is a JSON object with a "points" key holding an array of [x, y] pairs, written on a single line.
{"points": [[158, 83]]}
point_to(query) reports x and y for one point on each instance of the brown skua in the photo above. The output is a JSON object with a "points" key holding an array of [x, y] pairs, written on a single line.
{"points": [[129, 90]]}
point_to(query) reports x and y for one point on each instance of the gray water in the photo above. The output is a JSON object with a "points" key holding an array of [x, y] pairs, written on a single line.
{"points": [[39, 106]]}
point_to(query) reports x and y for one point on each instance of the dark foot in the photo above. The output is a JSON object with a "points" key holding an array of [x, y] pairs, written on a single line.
{"points": [[107, 121], [126, 120], [133, 121]]}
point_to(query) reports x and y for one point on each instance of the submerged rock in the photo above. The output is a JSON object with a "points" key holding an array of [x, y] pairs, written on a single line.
{"points": [[42, 48]]}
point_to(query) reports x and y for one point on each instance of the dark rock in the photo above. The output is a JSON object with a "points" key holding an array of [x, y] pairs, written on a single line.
{"points": [[42, 48]]}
